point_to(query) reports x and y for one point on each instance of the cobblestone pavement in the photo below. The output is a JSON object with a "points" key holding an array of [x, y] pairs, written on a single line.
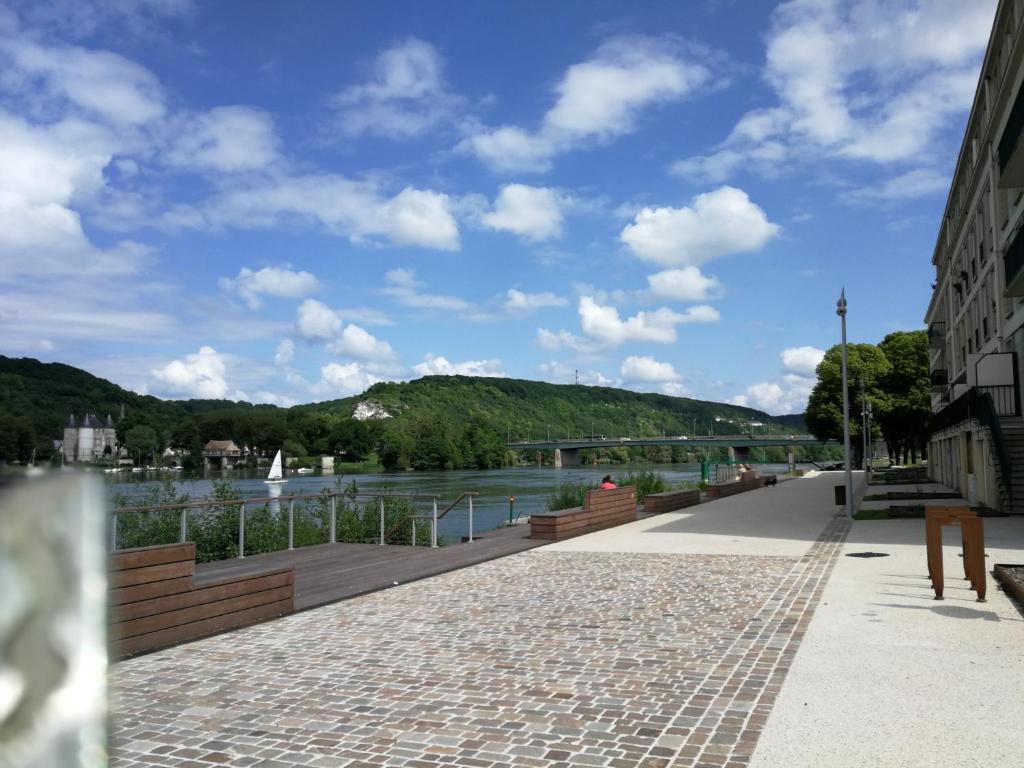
{"points": [[539, 659]]}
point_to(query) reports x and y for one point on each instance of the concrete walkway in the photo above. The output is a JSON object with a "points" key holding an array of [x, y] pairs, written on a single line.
{"points": [[686, 639], [887, 676]]}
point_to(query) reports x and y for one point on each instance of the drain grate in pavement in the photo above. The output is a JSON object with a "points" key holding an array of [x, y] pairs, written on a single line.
{"points": [[867, 554]]}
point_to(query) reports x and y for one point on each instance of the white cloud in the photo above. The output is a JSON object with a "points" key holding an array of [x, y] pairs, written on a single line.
{"points": [[270, 281], [82, 18], [439, 366], [562, 373], [102, 83], [405, 289], [802, 360], [200, 375], [874, 80], [316, 321], [718, 223], [789, 394], [225, 139], [597, 100], [553, 341], [353, 341], [518, 301], [647, 369], [285, 353], [404, 96], [916, 183], [46, 171], [339, 380], [358, 210], [530, 212], [686, 284], [282, 401], [603, 324]]}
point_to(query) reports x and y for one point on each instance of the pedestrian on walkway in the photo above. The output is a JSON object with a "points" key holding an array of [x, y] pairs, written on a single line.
{"points": [[607, 483]]}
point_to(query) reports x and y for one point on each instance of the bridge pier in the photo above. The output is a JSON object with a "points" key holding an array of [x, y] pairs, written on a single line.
{"points": [[792, 461], [567, 457]]}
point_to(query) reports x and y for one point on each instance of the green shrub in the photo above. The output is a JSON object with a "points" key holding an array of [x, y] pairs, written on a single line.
{"points": [[645, 482], [568, 495]]}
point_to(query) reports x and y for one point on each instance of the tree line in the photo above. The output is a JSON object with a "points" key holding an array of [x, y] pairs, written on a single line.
{"points": [[892, 377]]}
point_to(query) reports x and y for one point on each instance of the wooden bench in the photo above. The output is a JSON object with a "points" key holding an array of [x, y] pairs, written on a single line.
{"points": [[601, 509], [719, 490], [154, 602], [669, 501]]}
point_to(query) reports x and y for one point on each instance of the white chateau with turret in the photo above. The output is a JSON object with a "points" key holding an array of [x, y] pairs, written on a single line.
{"points": [[90, 439]]}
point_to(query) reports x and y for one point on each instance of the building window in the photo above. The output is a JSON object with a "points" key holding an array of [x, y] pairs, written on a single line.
{"points": [[984, 326]]}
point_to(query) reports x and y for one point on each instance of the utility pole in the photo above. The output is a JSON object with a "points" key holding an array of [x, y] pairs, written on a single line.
{"points": [[841, 311]]}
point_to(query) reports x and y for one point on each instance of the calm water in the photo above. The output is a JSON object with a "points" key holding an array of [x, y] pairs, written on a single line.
{"points": [[531, 487]]}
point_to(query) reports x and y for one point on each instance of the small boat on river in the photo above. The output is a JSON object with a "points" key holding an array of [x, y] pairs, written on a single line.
{"points": [[275, 475]]}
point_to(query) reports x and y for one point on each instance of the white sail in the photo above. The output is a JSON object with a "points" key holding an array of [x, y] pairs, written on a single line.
{"points": [[275, 475]]}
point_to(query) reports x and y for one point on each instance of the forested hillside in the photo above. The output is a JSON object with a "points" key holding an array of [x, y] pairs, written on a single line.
{"points": [[433, 422]]}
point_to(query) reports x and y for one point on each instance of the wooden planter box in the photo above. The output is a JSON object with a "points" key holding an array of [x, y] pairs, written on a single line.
{"points": [[601, 509]]}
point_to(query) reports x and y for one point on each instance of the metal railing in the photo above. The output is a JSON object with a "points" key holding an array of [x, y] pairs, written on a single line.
{"points": [[1004, 398], [208, 511]]}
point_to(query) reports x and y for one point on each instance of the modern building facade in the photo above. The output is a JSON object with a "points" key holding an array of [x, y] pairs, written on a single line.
{"points": [[976, 314]]}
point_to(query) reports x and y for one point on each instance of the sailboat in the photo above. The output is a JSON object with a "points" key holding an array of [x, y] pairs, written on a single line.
{"points": [[275, 475]]}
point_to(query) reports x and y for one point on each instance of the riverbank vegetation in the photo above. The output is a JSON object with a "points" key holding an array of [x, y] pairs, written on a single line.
{"points": [[214, 528]]}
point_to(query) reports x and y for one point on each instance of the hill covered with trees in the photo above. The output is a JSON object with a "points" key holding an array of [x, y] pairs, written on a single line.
{"points": [[435, 422]]}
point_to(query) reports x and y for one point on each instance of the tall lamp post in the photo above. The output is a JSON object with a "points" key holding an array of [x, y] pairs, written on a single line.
{"points": [[841, 311]]}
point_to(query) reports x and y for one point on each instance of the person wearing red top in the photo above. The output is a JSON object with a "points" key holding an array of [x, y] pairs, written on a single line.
{"points": [[607, 483]]}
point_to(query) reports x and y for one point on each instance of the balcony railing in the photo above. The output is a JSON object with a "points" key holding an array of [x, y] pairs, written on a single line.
{"points": [[939, 377], [1013, 267], [1011, 135], [936, 334], [1004, 399]]}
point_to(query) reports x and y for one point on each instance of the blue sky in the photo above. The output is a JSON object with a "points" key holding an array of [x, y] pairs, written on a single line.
{"points": [[285, 203]]}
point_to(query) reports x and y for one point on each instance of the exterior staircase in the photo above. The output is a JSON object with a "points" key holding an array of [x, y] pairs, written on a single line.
{"points": [[1013, 435]]}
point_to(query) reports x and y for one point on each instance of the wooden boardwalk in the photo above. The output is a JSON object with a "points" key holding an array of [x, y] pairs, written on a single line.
{"points": [[327, 573]]}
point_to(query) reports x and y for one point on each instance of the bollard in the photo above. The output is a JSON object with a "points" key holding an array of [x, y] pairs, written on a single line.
{"points": [[334, 517], [382, 542], [184, 524], [511, 507], [241, 531], [291, 524], [470, 519], [433, 526]]}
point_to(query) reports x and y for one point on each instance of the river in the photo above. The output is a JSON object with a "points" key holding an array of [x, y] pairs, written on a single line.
{"points": [[531, 487]]}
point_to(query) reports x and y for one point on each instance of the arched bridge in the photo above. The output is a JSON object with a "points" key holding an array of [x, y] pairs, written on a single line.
{"points": [[567, 451]]}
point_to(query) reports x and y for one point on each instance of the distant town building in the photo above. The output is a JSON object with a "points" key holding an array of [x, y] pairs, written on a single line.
{"points": [[90, 439], [222, 454], [976, 312]]}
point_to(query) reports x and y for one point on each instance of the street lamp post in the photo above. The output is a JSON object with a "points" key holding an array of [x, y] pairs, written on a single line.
{"points": [[841, 311]]}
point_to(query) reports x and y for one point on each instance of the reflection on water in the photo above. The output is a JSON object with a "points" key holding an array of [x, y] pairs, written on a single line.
{"points": [[531, 487]]}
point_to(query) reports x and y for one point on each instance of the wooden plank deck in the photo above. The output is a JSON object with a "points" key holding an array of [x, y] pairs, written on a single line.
{"points": [[326, 573]]}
